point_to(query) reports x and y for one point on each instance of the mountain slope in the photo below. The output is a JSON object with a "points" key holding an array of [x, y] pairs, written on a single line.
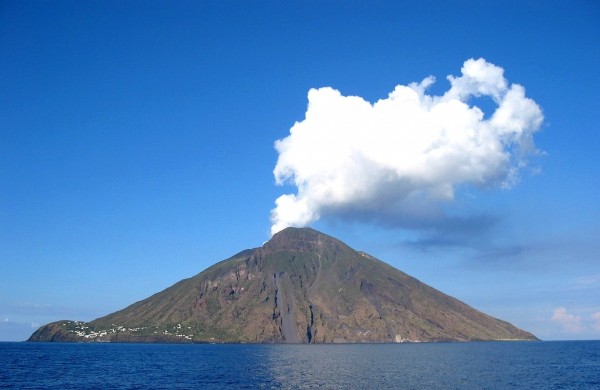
{"points": [[302, 286]]}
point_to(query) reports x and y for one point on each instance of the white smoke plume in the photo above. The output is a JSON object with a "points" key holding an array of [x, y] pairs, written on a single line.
{"points": [[401, 156]]}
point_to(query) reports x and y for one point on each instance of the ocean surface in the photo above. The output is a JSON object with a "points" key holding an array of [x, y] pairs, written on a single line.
{"points": [[481, 365]]}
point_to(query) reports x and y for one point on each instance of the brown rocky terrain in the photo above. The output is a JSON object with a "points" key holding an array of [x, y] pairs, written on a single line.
{"points": [[302, 286]]}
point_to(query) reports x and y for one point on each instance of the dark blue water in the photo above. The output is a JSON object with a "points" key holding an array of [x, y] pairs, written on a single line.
{"points": [[492, 365]]}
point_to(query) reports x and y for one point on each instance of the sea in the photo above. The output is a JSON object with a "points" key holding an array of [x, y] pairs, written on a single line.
{"points": [[475, 365]]}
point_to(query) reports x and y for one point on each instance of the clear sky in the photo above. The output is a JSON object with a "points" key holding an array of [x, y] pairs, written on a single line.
{"points": [[138, 147]]}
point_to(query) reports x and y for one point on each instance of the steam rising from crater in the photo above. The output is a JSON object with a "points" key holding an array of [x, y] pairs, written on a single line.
{"points": [[401, 157]]}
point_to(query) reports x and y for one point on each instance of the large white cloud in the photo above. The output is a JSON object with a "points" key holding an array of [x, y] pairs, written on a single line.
{"points": [[399, 156]]}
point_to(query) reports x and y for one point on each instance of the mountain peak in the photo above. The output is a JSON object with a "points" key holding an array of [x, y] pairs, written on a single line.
{"points": [[300, 240], [298, 233]]}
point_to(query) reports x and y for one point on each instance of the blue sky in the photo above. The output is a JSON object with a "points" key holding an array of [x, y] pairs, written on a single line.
{"points": [[137, 147]]}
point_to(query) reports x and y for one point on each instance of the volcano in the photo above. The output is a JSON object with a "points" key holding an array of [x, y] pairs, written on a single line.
{"points": [[302, 286]]}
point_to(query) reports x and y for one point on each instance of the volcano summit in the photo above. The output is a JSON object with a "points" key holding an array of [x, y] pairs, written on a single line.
{"points": [[301, 286]]}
